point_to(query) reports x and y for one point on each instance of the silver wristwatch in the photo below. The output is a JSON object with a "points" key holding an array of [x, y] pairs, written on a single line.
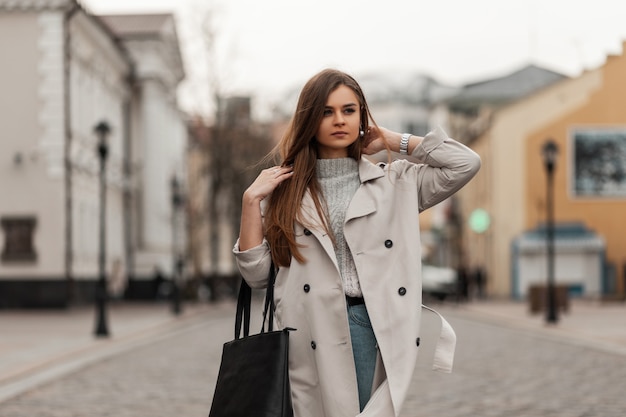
{"points": [[404, 143]]}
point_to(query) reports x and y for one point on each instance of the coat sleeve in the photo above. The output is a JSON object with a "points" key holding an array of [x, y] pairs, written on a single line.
{"points": [[446, 167], [254, 264]]}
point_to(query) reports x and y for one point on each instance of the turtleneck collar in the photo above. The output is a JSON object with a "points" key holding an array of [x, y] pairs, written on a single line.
{"points": [[336, 167]]}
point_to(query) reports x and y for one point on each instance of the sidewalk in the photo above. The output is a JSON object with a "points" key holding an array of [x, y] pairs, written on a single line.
{"points": [[37, 346], [594, 324]]}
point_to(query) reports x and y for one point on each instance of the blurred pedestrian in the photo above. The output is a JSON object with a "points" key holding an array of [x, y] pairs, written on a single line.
{"points": [[344, 233], [159, 284], [463, 276], [117, 282], [480, 280]]}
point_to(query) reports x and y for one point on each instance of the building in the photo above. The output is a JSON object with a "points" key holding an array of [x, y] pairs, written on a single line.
{"points": [[404, 102], [507, 200], [69, 72], [157, 148]]}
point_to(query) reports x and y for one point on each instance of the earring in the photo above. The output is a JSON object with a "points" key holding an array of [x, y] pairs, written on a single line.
{"points": [[361, 133]]}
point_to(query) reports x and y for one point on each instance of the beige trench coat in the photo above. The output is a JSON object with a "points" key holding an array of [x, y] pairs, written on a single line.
{"points": [[382, 231]]}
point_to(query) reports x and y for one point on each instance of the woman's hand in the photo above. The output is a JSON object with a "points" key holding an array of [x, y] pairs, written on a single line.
{"points": [[251, 229], [266, 182], [377, 139]]}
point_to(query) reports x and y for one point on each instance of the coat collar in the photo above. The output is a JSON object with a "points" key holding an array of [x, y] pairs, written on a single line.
{"points": [[369, 171], [362, 203]]}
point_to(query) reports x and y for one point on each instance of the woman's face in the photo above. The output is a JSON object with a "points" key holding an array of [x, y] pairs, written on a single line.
{"points": [[340, 124]]}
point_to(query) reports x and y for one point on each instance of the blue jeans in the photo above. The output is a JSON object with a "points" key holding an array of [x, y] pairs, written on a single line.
{"points": [[364, 350]]}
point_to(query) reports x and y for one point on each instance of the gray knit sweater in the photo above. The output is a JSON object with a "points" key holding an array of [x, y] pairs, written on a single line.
{"points": [[339, 180]]}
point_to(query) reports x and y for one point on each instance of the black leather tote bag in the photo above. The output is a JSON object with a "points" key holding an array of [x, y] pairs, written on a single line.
{"points": [[253, 380]]}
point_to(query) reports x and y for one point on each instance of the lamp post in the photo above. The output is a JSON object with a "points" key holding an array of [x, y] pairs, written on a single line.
{"points": [[176, 257], [102, 130], [549, 152]]}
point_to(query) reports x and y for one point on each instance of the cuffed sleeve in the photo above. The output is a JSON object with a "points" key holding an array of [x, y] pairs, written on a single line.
{"points": [[254, 263], [448, 166]]}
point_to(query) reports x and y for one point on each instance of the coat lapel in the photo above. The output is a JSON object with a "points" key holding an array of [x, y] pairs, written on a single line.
{"points": [[313, 222]]}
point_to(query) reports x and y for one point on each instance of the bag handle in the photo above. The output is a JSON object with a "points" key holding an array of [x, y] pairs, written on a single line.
{"points": [[269, 300], [243, 305], [243, 309]]}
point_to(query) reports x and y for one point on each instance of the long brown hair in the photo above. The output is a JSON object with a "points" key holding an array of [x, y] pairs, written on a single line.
{"points": [[299, 148]]}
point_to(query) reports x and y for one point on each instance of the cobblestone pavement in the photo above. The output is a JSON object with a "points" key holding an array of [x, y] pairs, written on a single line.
{"points": [[499, 371]]}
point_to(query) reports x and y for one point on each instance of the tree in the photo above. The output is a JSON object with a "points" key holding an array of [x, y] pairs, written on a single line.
{"points": [[237, 146], [234, 144]]}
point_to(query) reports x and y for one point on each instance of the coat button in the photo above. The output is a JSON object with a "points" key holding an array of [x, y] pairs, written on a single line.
{"points": [[401, 290], [307, 232], [313, 345], [417, 341], [307, 288], [388, 243]]}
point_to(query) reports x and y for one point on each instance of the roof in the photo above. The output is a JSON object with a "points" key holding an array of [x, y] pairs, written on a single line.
{"points": [[567, 236], [409, 87], [157, 27], [510, 87], [384, 86], [36, 4], [131, 25]]}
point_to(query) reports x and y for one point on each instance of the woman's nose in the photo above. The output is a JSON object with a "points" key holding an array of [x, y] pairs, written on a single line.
{"points": [[339, 120]]}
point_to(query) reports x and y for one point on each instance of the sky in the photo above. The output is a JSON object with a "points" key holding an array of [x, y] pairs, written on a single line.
{"points": [[267, 48]]}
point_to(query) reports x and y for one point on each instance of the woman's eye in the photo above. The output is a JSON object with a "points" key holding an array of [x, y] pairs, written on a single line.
{"points": [[349, 110], [328, 112]]}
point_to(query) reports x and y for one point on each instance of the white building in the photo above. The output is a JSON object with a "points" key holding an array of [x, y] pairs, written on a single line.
{"points": [[403, 101], [158, 145], [70, 71]]}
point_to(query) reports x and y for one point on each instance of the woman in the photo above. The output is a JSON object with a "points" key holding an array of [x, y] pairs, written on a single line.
{"points": [[344, 233]]}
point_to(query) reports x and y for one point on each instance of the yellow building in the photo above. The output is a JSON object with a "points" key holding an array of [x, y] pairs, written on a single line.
{"points": [[585, 116]]}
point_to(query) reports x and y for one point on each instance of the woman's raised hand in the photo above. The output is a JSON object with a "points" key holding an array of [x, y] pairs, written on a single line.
{"points": [[267, 181], [375, 139], [251, 230]]}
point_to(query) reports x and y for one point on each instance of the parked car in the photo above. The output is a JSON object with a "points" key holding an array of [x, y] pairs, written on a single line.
{"points": [[438, 282]]}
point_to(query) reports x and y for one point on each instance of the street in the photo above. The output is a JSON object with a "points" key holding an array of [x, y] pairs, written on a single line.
{"points": [[508, 372], [498, 372]]}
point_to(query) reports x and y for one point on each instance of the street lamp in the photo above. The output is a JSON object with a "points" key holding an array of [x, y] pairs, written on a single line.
{"points": [[177, 262], [102, 130], [549, 152]]}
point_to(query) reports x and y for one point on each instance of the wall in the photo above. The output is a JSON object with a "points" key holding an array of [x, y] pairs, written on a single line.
{"points": [[162, 144], [31, 115], [99, 88]]}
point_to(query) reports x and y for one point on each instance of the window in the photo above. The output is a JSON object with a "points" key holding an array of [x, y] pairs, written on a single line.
{"points": [[18, 239], [599, 162]]}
